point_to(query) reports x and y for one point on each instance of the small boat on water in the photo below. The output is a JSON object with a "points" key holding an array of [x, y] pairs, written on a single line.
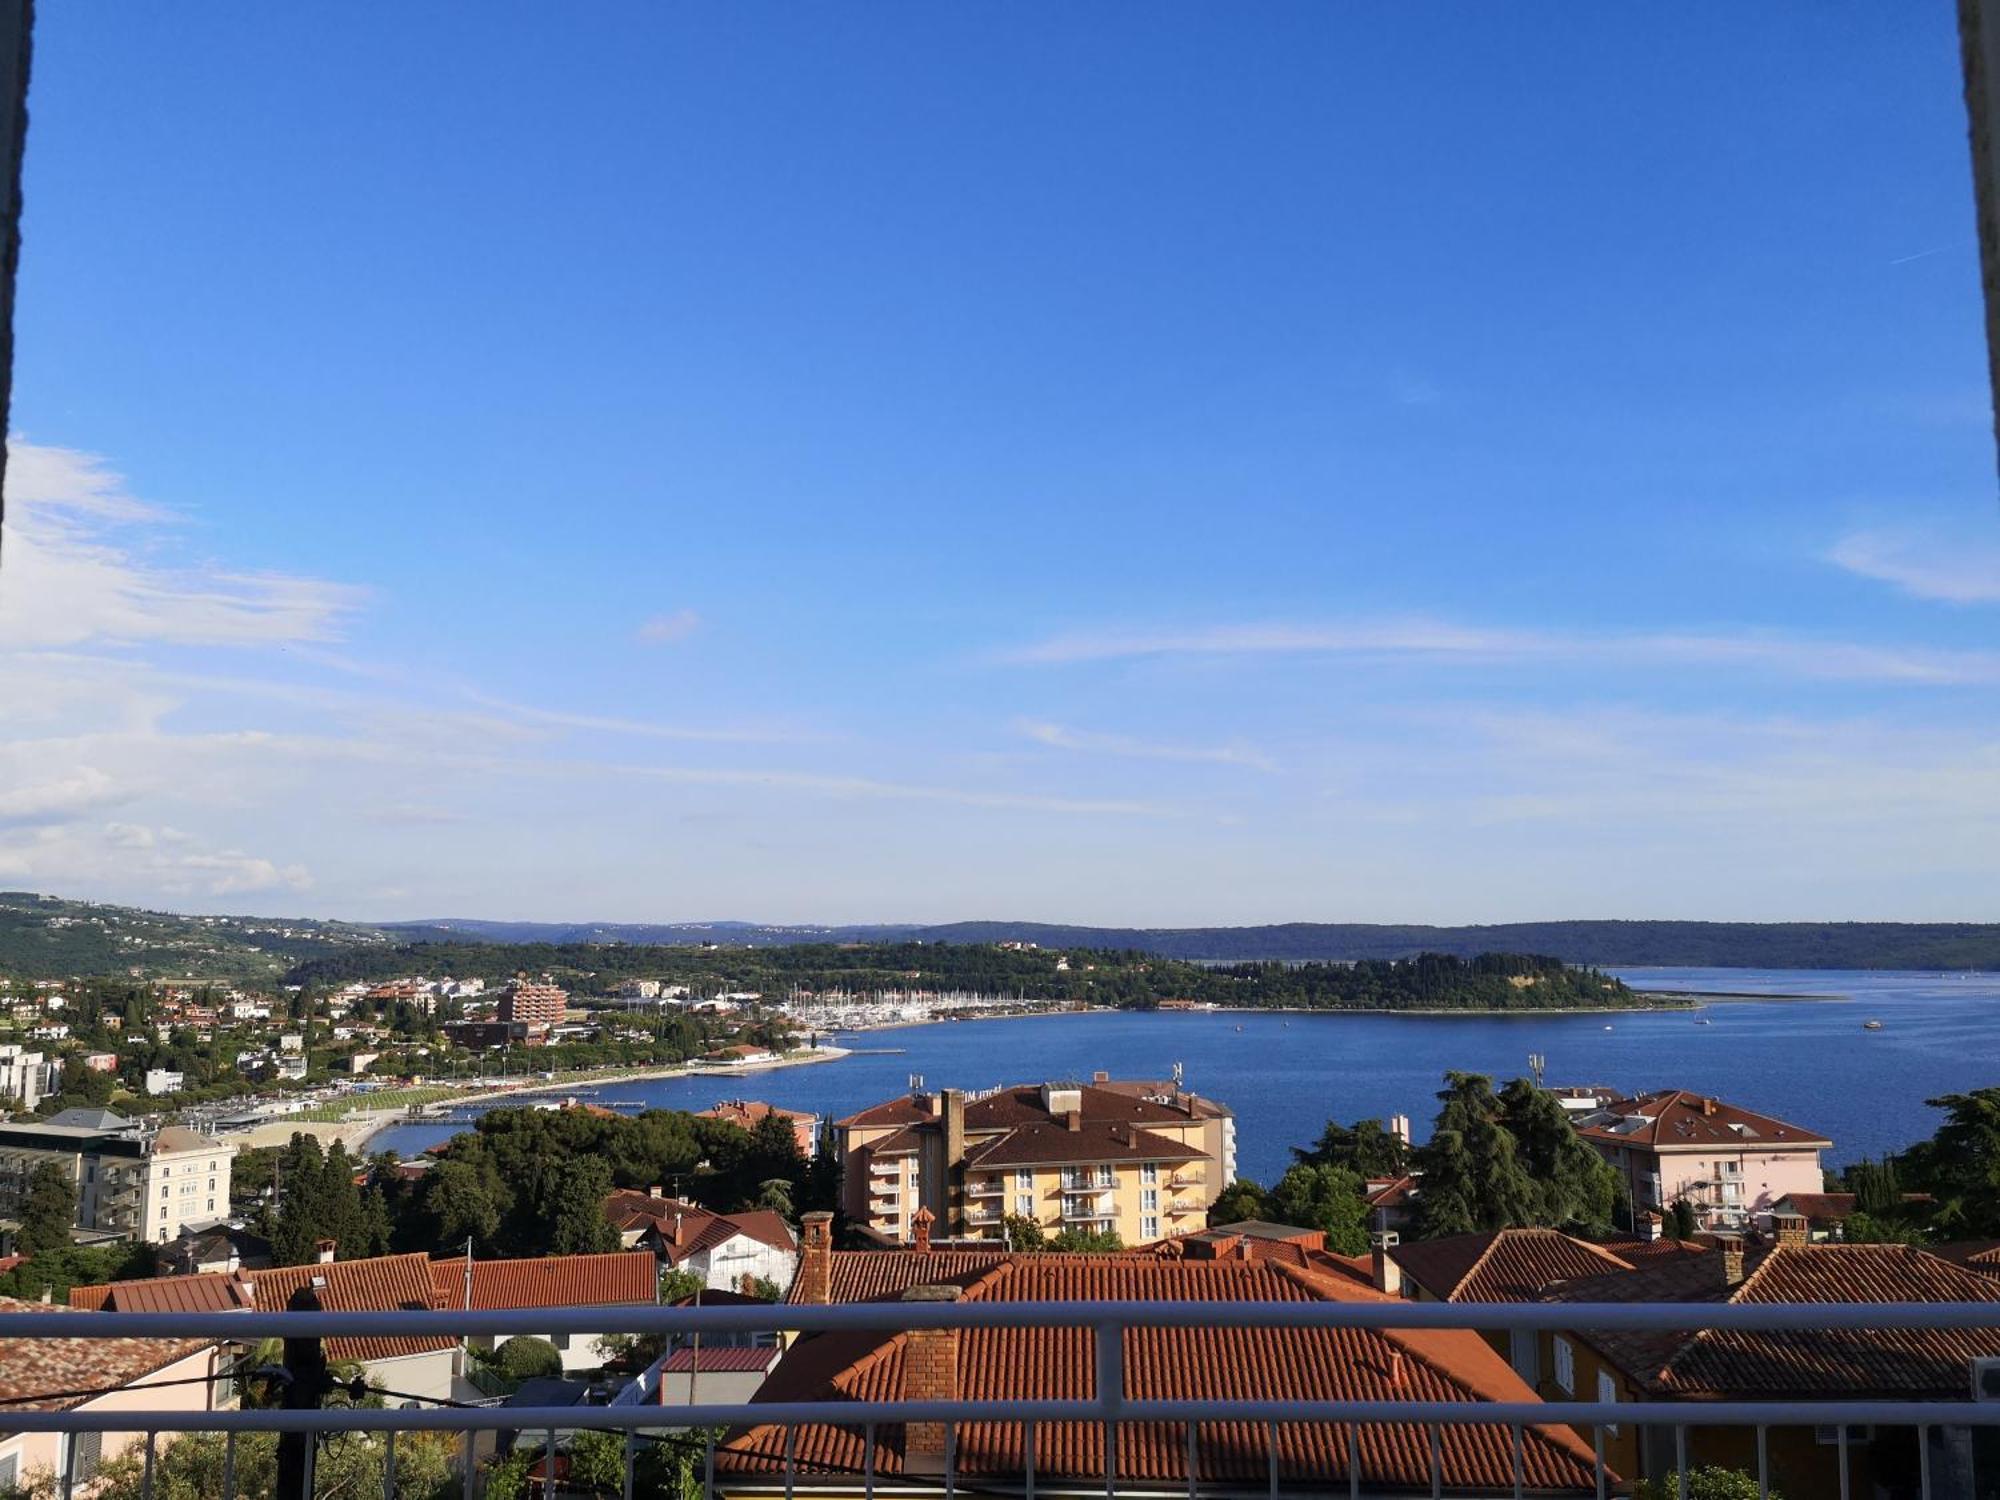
{"points": [[1871, 1025], [1607, 1028]]}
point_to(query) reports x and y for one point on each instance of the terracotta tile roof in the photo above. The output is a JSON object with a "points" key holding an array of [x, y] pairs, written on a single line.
{"points": [[1046, 1144], [210, 1291], [1825, 1207], [1393, 1192], [747, 1112], [628, 1276], [883, 1275], [685, 1229], [903, 1110], [1022, 1105], [1647, 1252], [1507, 1265], [1675, 1119], [1309, 1364], [722, 1360], [31, 1367], [1814, 1362], [381, 1284], [1981, 1256]]}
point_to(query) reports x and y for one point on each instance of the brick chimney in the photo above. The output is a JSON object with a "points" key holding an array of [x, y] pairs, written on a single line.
{"points": [[1790, 1229], [930, 1373], [1731, 1251], [324, 1250], [1387, 1274], [1074, 1119], [814, 1283], [920, 1230], [1707, 1106]]}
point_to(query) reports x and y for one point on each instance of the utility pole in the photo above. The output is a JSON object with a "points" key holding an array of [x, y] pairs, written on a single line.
{"points": [[306, 1388]]}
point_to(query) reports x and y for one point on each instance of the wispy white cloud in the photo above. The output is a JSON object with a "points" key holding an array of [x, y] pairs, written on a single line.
{"points": [[1926, 564], [80, 568], [1062, 737], [721, 734], [668, 629], [1445, 642]]}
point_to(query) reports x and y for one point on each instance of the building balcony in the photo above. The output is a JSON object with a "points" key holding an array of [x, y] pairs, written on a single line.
{"points": [[995, 1188], [885, 1167], [1183, 1206], [1088, 1210]]}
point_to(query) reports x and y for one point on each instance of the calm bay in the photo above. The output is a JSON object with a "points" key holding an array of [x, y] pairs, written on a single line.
{"points": [[1807, 1060]]}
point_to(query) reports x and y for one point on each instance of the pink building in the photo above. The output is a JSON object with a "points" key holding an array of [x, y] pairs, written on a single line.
{"points": [[1731, 1164], [138, 1375]]}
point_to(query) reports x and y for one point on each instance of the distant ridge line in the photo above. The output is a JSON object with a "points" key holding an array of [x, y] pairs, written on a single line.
{"points": [[1786, 945]]}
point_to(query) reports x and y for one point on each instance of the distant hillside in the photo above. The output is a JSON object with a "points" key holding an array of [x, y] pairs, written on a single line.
{"points": [[43, 937], [1741, 945]]}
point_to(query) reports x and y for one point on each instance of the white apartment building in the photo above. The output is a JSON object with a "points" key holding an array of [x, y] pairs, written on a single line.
{"points": [[25, 1076], [128, 1182]]}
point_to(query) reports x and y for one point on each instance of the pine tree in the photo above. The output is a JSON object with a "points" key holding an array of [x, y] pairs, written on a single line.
{"points": [[48, 1211], [1472, 1178]]}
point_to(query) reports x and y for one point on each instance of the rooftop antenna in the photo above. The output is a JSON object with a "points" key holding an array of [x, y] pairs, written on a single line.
{"points": [[916, 1082], [1538, 1065], [1180, 1075]]}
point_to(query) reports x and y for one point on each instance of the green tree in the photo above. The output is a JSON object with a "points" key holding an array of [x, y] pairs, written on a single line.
{"points": [[459, 1204], [524, 1357], [1577, 1188], [1023, 1233], [1680, 1223], [1960, 1166], [48, 1211], [1365, 1148], [1472, 1178], [1707, 1483], [1328, 1199], [1242, 1199], [1094, 1241], [574, 1210]]}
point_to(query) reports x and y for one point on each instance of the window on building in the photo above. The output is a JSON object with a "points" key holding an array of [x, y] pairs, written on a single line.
{"points": [[1565, 1371], [1024, 1204], [166, 1171], [1149, 1200], [1024, 1179], [1149, 1228], [211, 1205], [1607, 1392], [163, 1210], [1149, 1171], [85, 1455]]}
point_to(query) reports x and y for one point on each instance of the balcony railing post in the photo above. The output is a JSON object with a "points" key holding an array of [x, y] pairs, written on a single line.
{"points": [[305, 1386], [1110, 1394], [1764, 1467], [1924, 1462], [152, 1454], [389, 1467]]}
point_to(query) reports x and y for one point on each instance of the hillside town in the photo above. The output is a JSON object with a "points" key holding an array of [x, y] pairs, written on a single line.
{"points": [[162, 1154]]}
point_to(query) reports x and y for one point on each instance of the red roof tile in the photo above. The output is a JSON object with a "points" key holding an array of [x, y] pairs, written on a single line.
{"points": [[1202, 1363], [630, 1276], [31, 1368], [1806, 1363], [721, 1361], [1507, 1265], [1675, 1119]]}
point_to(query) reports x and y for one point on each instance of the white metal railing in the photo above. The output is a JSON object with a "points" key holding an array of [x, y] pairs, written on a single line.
{"points": [[1110, 1406]]}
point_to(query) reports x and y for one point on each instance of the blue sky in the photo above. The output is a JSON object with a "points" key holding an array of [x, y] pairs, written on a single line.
{"points": [[1168, 465]]}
